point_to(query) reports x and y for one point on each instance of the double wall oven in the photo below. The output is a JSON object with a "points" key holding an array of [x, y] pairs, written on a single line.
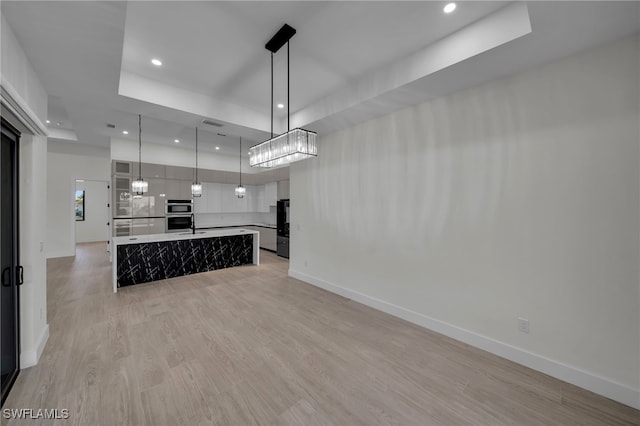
{"points": [[179, 215]]}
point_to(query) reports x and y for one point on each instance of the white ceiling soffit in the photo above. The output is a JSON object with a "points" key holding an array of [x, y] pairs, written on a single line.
{"points": [[356, 61], [63, 134], [558, 29], [501, 27]]}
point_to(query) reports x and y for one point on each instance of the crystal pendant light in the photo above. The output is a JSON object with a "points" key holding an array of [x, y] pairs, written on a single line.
{"points": [[196, 187], [139, 186], [294, 145], [240, 190]]}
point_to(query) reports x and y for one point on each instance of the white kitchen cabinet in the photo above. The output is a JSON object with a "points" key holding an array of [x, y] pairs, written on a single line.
{"points": [[283, 190], [178, 189], [179, 173], [121, 196], [156, 226], [121, 168], [200, 203], [268, 238], [260, 203], [213, 193], [156, 196], [211, 200], [150, 170], [271, 194], [251, 203], [121, 227], [231, 203]]}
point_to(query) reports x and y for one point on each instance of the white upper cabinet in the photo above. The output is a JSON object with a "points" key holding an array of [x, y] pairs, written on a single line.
{"points": [[283, 190], [271, 194], [213, 194], [231, 203]]}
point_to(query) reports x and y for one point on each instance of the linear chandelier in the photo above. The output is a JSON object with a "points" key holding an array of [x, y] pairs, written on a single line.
{"points": [[294, 145]]}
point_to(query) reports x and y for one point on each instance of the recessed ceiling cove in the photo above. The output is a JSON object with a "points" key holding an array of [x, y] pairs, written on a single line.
{"points": [[214, 63]]}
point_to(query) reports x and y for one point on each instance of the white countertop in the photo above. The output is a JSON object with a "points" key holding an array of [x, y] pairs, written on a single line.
{"points": [[186, 235], [262, 225]]}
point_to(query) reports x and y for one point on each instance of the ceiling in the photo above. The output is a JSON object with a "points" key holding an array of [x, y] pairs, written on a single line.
{"points": [[349, 61]]}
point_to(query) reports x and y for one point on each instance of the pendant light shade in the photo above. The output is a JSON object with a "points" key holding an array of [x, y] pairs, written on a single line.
{"points": [[196, 187], [240, 190], [294, 145], [139, 186]]}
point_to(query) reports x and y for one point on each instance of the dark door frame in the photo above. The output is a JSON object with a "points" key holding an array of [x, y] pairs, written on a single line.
{"points": [[12, 132]]}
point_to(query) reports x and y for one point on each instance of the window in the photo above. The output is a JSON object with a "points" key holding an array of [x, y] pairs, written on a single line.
{"points": [[79, 205]]}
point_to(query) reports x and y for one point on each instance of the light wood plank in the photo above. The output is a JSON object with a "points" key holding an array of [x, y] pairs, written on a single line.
{"points": [[250, 345]]}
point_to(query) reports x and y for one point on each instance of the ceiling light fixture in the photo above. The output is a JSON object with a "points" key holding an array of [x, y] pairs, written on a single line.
{"points": [[280, 106], [124, 132], [240, 190], [139, 186], [48, 121], [297, 144], [178, 140], [449, 8], [156, 62], [217, 147], [196, 187]]}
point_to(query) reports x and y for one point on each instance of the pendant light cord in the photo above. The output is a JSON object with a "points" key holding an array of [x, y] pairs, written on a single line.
{"points": [[288, 100], [271, 95], [240, 157], [196, 155], [139, 147]]}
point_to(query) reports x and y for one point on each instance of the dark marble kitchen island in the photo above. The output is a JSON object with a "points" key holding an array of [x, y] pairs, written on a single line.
{"points": [[148, 258]]}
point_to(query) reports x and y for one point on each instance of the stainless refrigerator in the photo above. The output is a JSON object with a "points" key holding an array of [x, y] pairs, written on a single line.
{"points": [[283, 228]]}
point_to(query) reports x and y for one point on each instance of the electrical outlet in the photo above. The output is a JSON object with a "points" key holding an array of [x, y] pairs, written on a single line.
{"points": [[523, 325]]}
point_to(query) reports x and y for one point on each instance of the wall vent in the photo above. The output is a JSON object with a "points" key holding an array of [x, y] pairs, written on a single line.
{"points": [[211, 123]]}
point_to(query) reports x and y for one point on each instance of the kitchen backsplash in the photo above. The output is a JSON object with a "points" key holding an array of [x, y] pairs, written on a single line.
{"points": [[204, 220]]}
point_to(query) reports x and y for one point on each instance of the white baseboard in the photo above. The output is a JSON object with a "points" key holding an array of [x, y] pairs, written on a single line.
{"points": [[31, 357], [584, 379]]}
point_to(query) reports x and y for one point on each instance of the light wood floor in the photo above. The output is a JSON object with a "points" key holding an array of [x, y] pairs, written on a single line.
{"points": [[250, 345]]}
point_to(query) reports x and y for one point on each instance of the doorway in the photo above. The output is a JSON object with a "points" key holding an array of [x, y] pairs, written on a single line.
{"points": [[11, 272], [91, 211]]}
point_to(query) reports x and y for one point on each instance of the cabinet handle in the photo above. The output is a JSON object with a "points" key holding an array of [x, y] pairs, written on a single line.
{"points": [[6, 275], [20, 272]]}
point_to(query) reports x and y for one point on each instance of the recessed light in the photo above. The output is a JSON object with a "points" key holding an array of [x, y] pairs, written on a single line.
{"points": [[58, 123], [449, 8], [176, 140], [124, 132], [156, 62], [217, 147], [48, 121], [280, 106]]}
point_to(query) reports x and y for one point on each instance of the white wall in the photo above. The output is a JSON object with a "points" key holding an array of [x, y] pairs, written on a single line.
{"points": [[66, 163], [96, 213], [19, 77], [24, 95], [126, 150], [518, 198]]}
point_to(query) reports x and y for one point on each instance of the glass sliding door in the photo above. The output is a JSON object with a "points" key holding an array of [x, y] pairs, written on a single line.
{"points": [[11, 272]]}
